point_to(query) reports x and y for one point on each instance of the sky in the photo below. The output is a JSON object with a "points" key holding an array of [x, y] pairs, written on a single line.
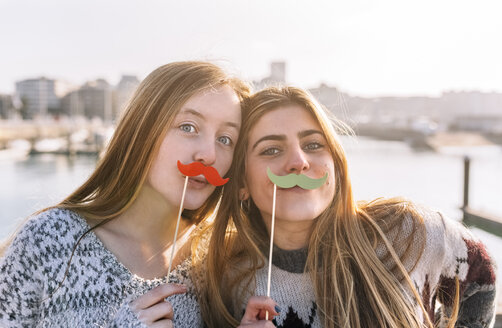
{"points": [[362, 47]]}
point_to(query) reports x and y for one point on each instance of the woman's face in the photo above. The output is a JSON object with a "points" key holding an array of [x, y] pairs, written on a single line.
{"points": [[205, 130], [289, 140]]}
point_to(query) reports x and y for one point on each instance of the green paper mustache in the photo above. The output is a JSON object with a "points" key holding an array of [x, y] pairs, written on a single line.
{"points": [[292, 180]]}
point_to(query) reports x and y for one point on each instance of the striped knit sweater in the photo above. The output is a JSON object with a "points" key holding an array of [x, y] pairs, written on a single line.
{"points": [[96, 291], [450, 250]]}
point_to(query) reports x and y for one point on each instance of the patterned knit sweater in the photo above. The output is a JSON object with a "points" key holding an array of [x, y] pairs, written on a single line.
{"points": [[97, 290], [450, 250]]}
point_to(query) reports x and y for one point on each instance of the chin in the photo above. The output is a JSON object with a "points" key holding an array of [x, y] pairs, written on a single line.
{"points": [[298, 215], [193, 203], [192, 206]]}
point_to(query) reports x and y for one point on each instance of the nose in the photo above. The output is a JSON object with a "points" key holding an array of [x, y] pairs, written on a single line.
{"points": [[297, 161], [205, 153]]}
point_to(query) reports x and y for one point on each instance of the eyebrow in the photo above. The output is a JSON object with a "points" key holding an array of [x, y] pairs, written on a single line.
{"points": [[277, 137], [196, 113], [282, 137], [306, 133], [193, 112]]}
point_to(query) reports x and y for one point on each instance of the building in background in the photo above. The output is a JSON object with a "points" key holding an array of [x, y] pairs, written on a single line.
{"points": [[123, 92], [278, 72], [71, 104], [6, 107], [335, 101], [277, 76], [92, 100], [96, 97], [38, 97], [453, 110]]}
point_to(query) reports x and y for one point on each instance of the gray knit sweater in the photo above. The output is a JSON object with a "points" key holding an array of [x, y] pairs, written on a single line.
{"points": [[96, 291]]}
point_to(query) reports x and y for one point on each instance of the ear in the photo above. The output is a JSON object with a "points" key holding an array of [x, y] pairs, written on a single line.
{"points": [[243, 193]]}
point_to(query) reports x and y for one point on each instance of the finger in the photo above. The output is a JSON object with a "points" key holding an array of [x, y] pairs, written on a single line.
{"points": [[262, 315], [156, 295], [162, 324], [258, 324], [257, 305], [162, 310]]}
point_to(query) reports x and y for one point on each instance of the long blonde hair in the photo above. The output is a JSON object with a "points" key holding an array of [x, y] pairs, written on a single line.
{"points": [[354, 286], [121, 172]]}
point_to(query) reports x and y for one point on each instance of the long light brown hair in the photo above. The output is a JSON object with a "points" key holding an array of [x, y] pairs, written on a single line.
{"points": [[121, 172], [123, 169], [354, 286]]}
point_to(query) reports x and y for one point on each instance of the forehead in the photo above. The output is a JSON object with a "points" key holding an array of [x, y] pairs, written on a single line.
{"points": [[284, 120], [220, 102]]}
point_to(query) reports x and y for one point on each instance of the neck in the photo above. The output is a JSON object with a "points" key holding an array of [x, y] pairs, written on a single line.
{"points": [[290, 235], [142, 236], [150, 218]]}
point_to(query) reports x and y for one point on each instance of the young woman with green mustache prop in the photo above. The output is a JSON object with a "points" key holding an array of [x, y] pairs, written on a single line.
{"points": [[332, 262]]}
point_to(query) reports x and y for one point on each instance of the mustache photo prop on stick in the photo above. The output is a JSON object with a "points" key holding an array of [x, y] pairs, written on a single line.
{"points": [[293, 180], [191, 170], [286, 182], [197, 168]]}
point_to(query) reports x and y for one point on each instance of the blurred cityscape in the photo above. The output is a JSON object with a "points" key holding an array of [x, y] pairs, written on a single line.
{"points": [[78, 119]]}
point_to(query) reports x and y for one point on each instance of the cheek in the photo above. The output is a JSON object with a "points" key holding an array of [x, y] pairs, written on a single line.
{"points": [[225, 161], [256, 184], [331, 181]]}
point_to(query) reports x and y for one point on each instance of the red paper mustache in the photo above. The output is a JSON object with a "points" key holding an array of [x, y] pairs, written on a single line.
{"points": [[196, 168]]}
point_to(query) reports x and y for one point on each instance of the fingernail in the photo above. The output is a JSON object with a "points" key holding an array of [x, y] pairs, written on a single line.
{"points": [[277, 309]]}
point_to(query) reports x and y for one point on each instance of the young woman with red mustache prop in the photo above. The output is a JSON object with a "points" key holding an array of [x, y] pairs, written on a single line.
{"points": [[82, 262], [334, 262]]}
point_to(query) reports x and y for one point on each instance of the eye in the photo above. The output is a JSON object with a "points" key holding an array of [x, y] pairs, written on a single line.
{"points": [[270, 151], [227, 141], [313, 146], [188, 128]]}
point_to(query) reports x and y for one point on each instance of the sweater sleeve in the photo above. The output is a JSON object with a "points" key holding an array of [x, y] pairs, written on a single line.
{"points": [[125, 317], [185, 306], [21, 286], [186, 314], [467, 259]]}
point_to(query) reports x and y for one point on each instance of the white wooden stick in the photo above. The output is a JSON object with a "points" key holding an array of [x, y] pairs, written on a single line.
{"points": [[177, 227], [271, 247]]}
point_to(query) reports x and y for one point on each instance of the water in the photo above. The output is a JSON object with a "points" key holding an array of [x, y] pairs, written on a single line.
{"points": [[32, 183], [382, 168], [377, 168]]}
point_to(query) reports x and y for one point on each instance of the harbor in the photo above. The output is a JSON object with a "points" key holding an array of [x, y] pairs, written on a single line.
{"points": [[378, 169]]}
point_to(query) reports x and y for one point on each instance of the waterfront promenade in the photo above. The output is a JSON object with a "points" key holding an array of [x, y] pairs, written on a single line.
{"points": [[54, 136]]}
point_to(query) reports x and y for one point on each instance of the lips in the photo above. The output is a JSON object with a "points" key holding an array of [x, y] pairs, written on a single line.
{"points": [[199, 179], [197, 182], [294, 189]]}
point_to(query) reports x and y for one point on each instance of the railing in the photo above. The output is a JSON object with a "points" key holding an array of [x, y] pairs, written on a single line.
{"points": [[472, 217], [482, 220]]}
